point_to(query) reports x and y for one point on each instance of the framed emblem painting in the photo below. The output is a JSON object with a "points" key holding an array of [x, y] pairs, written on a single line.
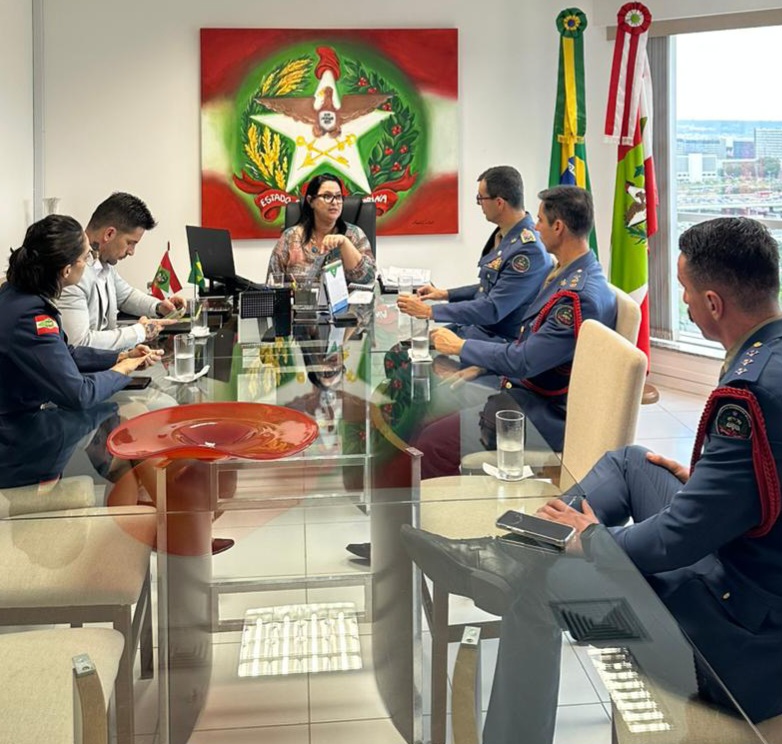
{"points": [[378, 108]]}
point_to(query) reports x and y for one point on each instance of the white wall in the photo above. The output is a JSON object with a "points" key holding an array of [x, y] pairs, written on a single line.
{"points": [[606, 10], [16, 123], [122, 108]]}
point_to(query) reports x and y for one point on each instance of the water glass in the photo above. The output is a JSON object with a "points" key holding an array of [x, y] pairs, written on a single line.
{"points": [[510, 444], [421, 385], [419, 334], [275, 279], [184, 356], [405, 285], [198, 313]]}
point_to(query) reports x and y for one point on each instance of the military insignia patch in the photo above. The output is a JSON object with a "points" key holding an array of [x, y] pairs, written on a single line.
{"points": [[527, 236], [520, 263], [495, 264], [564, 315], [45, 324], [733, 421]]}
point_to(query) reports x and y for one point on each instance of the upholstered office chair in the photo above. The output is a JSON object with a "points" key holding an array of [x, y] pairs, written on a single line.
{"points": [[39, 703], [354, 210], [608, 377], [628, 315], [82, 565]]}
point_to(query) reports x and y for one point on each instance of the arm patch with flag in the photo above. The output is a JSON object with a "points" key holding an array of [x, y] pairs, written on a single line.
{"points": [[45, 324]]}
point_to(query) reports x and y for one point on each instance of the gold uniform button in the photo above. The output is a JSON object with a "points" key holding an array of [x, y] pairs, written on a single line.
{"points": [[726, 595]]}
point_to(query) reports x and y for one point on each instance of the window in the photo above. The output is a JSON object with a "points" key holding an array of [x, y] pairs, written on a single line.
{"points": [[718, 124]]}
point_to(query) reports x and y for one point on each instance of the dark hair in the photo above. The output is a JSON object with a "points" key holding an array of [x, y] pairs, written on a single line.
{"points": [[504, 181], [124, 212], [735, 254], [307, 218], [571, 204], [49, 246]]}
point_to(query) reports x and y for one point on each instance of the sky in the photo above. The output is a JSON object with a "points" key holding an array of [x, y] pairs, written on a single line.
{"points": [[730, 74]]}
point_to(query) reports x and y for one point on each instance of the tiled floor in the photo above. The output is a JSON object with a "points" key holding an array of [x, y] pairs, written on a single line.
{"points": [[345, 708]]}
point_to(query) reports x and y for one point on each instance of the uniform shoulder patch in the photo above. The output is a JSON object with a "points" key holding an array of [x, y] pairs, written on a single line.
{"points": [[733, 421], [564, 315], [45, 324], [527, 236], [520, 263], [495, 264]]}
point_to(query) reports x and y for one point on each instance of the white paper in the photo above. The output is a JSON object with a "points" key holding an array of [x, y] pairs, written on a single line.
{"points": [[391, 276]]}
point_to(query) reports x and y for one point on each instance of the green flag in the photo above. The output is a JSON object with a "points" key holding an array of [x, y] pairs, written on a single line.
{"points": [[197, 273], [568, 151]]}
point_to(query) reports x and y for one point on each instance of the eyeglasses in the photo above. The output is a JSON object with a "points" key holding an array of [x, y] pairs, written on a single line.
{"points": [[329, 198], [479, 199]]}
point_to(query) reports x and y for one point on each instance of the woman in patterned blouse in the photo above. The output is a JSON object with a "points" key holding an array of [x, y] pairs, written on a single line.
{"points": [[321, 235]]}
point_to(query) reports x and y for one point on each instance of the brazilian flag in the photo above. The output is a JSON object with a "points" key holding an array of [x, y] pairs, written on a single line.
{"points": [[568, 150], [197, 273]]}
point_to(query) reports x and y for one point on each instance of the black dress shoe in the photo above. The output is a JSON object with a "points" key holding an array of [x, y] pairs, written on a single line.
{"points": [[221, 544], [474, 568], [360, 550]]}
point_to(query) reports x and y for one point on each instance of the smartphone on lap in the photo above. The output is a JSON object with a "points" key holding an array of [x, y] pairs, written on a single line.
{"points": [[537, 529]]}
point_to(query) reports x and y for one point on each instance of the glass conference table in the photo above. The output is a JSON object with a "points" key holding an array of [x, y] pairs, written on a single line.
{"points": [[300, 633]]}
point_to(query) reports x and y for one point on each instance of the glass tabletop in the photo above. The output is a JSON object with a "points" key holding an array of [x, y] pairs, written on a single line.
{"points": [[284, 621]]}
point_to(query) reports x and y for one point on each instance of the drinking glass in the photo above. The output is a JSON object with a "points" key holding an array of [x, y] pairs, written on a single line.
{"points": [[510, 444], [421, 387], [184, 356], [419, 334], [198, 313], [405, 284]]}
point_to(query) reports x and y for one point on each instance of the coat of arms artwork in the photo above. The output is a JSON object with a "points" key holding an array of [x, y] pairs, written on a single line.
{"points": [[378, 108]]}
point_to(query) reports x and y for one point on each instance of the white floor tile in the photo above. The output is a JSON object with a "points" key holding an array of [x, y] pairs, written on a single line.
{"points": [[380, 731], [575, 687], [660, 423], [325, 545], [266, 735], [234, 703], [584, 724], [347, 696], [263, 551], [676, 400]]}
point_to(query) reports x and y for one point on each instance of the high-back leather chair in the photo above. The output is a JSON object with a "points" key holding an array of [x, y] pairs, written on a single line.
{"points": [[354, 210]]}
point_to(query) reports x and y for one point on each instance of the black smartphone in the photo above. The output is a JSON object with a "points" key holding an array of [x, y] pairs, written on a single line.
{"points": [[138, 383], [536, 528]]}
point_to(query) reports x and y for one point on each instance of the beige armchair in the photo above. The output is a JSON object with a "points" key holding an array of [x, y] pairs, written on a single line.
{"points": [[83, 565], [37, 702]]}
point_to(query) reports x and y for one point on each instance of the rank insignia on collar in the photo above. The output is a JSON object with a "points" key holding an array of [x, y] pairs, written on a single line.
{"points": [[520, 263], [733, 421], [741, 370], [527, 236]]}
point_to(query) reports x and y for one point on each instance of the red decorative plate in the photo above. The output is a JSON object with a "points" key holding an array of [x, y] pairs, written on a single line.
{"points": [[211, 431]]}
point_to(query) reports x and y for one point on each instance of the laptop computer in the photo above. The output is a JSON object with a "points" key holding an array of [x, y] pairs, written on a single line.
{"points": [[215, 251]]}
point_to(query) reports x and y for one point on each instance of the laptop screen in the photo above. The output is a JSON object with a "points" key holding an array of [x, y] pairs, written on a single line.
{"points": [[215, 250]]}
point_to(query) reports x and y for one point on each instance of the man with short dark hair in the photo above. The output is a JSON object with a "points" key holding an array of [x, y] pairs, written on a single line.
{"points": [[535, 369], [708, 540], [89, 309], [511, 270]]}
